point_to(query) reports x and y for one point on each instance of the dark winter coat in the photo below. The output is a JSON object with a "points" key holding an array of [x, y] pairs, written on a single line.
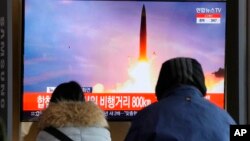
{"points": [[183, 114]]}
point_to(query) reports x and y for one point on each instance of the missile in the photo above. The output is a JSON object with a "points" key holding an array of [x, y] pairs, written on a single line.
{"points": [[143, 36]]}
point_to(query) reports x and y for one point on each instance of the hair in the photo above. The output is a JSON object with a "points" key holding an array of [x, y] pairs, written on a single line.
{"points": [[69, 91], [177, 71]]}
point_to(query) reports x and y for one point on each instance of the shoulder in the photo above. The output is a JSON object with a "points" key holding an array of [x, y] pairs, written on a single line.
{"points": [[147, 115], [79, 133]]}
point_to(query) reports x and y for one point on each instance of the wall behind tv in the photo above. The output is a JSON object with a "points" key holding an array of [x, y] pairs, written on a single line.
{"points": [[237, 61]]}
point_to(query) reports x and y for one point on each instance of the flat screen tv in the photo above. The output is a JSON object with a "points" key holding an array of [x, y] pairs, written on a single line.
{"points": [[115, 49]]}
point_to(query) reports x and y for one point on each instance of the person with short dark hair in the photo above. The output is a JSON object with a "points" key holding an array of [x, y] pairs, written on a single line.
{"points": [[69, 117], [70, 91], [181, 113]]}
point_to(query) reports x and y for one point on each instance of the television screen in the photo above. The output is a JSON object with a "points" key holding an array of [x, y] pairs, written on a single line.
{"points": [[115, 50]]}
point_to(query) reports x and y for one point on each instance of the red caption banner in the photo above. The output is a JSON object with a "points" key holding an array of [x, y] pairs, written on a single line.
{"points": [[108, 101]]}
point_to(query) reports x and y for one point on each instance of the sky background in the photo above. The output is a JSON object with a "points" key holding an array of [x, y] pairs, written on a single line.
{"points": [[97, 41]]}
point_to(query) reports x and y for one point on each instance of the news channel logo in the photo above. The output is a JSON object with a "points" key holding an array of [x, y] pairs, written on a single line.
{"points": [[239, 132]]}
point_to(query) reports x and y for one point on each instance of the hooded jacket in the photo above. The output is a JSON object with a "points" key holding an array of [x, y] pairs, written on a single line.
{"points": [[183, 114], [78, 120]]}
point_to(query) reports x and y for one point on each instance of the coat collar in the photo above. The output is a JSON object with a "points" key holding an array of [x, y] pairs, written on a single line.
{"points": [[183, 90], [71, 113]]}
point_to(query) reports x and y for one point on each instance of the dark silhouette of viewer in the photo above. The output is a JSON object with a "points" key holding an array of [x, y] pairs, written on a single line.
{"points": [[72, 116], [2, 130], [181, 113]]}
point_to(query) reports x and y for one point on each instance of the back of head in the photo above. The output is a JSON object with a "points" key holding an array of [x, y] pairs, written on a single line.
{"points": [[69, 91], [180, 70]]}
